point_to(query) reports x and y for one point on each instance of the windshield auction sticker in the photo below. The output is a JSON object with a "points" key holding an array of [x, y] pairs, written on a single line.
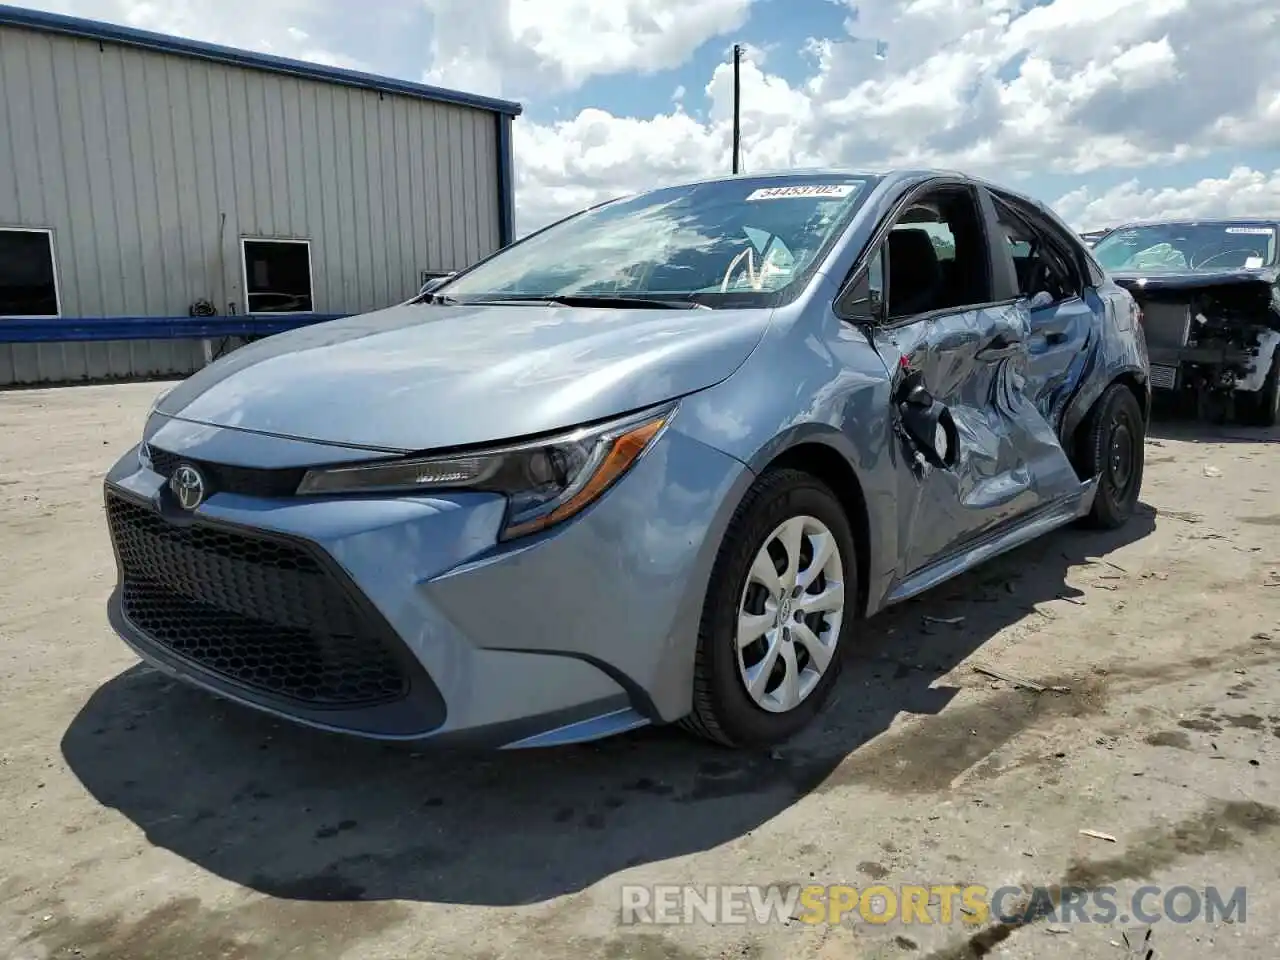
{"points": [[820, 191], [1255, 231]]}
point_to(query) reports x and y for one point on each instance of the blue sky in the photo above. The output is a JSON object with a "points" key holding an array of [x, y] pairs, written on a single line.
{"points": [[779, 30], [1108, 109]]}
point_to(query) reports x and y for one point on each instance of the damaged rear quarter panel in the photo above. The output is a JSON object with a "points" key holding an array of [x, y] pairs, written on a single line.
{"points": [[1113, 349], [1117, 350]]}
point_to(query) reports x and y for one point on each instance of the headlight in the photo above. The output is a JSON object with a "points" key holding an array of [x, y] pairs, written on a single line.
{"points": [[545, 481]]}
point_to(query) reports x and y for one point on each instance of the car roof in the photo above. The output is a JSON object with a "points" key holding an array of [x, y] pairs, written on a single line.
{"points": [[783, 173], [808, 173], [890, 177], [895, 176]]}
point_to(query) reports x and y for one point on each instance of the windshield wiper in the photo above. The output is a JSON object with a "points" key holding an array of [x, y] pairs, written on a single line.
{"points": [[599, 300], [616, 300]]}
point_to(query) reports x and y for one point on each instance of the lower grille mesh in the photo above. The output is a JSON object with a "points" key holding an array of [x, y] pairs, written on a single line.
{"points": [[260, 612], [1164, 378]]}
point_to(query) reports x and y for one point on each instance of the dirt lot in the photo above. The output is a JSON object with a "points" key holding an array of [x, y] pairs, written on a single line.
{"points": [[144, 820]]}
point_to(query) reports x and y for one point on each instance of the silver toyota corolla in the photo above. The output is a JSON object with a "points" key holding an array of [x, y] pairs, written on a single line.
{"points": [[651, 464]]}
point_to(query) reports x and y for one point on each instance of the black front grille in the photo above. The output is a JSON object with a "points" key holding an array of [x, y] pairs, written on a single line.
{"points": [[162, 461], [259, 611], [223, 478]]}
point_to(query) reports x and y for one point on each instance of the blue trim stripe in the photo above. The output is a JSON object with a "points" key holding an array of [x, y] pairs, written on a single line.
{"points": [[80, 329], [95, 30]]}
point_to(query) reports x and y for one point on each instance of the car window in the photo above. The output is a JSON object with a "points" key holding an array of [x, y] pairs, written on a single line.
{"points": [[937, 256], [1041, 254], [1204, 245], [1043, 269], [944, 241], [875, 275], [742, 242]]}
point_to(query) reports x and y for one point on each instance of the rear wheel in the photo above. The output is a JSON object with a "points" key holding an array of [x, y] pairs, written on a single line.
{"points": [[777, 613], [1263, 408], [1112, 449]]}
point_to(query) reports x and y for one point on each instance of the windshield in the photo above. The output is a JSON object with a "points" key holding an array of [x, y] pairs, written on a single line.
{"points": [[741, 242], [1188, 246]]}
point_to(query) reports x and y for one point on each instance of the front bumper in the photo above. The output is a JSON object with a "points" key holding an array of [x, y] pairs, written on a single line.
{"points": [[1171, 366], [404, 618]]}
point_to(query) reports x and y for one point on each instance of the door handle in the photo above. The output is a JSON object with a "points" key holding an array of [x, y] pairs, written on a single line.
{"points": [[1055, 337]]}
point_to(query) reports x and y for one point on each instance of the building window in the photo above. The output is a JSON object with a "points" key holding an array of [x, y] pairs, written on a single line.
{"points": [[277, 276], [28, 274]]}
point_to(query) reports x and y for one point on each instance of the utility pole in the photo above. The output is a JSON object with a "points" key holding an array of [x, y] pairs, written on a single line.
{"points": [[737, 103]]}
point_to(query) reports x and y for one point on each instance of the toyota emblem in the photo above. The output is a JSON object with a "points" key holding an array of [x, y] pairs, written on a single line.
{"points": [[188, 486]]}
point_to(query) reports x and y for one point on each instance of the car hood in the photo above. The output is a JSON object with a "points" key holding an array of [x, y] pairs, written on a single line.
{"points": [[1138, 281], [1242, 297], [418, 377]]}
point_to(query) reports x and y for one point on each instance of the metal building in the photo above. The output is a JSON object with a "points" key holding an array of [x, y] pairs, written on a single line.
{"points": [[160, 199]]}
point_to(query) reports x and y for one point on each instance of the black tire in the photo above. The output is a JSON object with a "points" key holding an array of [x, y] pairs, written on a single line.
{"points": [[1262, 409], [1112, 449], [723, 711]]}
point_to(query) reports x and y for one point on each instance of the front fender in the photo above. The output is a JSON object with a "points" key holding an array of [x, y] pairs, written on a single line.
{"points": [[830, 391]]}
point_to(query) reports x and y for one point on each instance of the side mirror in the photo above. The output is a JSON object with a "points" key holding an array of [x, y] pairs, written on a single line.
{"points": [[433, 282], [928, 423]]}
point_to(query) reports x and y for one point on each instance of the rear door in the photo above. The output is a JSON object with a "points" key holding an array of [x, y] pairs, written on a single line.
{"points": [[956, 320], [1059, 302]]}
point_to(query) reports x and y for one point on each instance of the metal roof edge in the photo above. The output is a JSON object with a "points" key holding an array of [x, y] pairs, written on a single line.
{"points": [[40, 20]]}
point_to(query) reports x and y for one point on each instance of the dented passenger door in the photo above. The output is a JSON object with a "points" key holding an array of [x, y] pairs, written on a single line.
{"points": [[977, 456]]}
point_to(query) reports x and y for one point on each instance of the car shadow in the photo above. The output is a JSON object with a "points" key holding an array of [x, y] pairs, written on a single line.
{"points": [[304, 815], [1191, 431], [1169, 422]]}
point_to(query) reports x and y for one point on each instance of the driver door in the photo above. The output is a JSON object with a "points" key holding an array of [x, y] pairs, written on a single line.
{"points": [[953, 323]]}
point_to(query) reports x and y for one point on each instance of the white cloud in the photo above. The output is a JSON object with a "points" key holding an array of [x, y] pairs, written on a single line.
{"points": [[568, 165], [1083, 30], [511, 47], [1243, 192], [1069, 87], [999, 87], [267, 26]]}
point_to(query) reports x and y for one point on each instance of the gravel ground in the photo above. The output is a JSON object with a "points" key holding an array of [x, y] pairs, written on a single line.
{"points": [[146, 820]]}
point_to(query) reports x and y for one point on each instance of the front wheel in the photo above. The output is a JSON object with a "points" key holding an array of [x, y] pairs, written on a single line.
{"points": [[777, 613], [1112, 449]]}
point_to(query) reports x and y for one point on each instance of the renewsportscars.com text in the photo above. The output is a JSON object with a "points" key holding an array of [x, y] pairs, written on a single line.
{"points": [[971, 904]]}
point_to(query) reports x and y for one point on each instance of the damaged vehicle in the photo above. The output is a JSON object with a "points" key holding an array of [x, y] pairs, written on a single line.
{"points": [[1210, 297], [652, 464]]}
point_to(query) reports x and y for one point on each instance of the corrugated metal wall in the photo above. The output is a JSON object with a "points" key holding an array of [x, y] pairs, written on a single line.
{"points": [[150, 167], [22, 363]]}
